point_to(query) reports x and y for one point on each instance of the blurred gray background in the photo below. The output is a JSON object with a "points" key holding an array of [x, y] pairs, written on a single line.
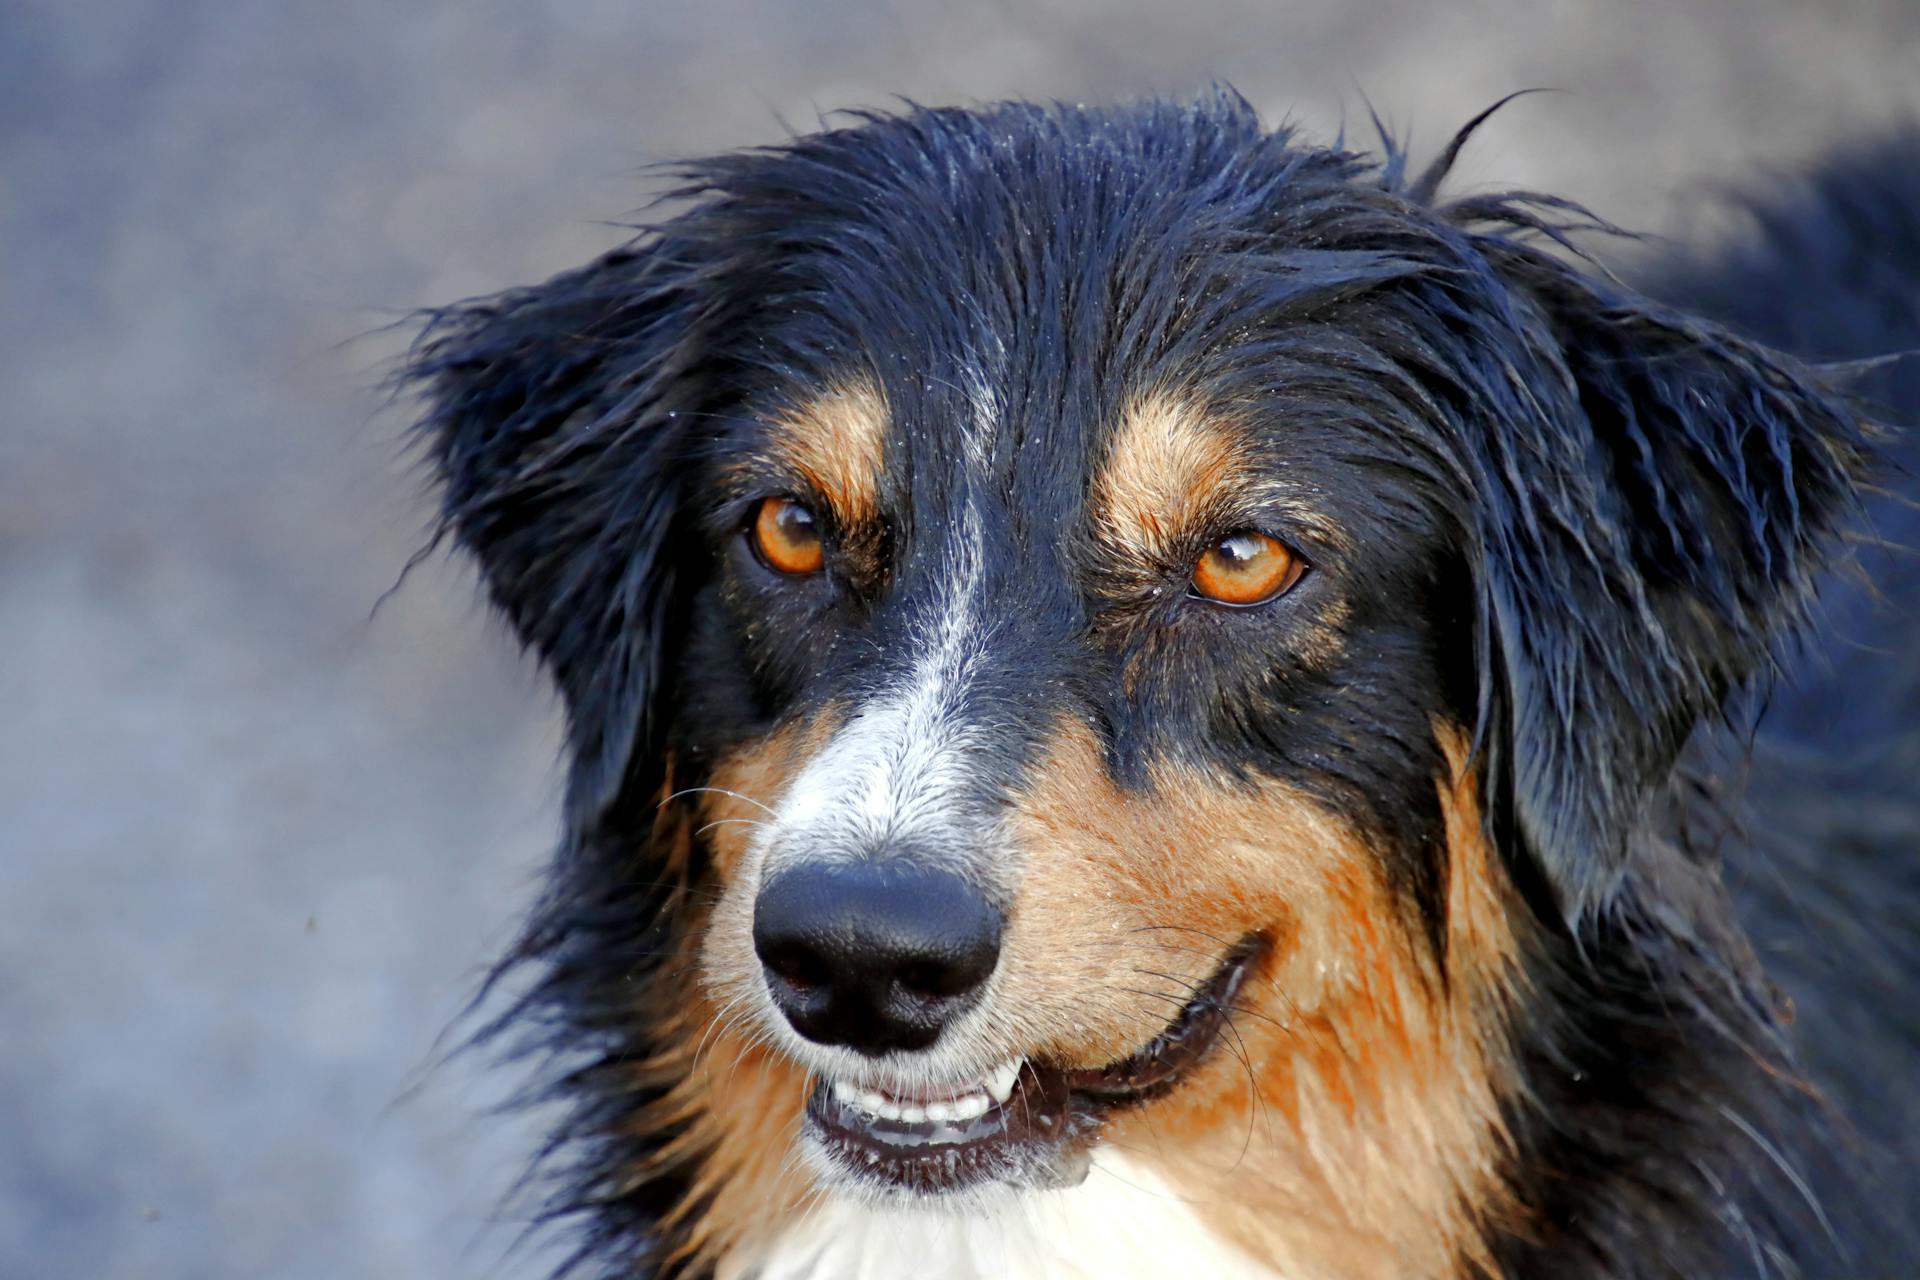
{"points": [[257, 842]]}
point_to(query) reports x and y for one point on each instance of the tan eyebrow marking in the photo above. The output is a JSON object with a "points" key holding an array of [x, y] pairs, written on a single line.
{"points": [[1168, 463], [837, 442]]}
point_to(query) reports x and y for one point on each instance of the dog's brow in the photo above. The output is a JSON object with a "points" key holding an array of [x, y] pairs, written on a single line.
{"points": [[1166, 466], [837, 441]]}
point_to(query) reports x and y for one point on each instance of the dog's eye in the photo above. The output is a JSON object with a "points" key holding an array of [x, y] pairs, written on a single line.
{"points": [[1246, 568], [787, 536]]}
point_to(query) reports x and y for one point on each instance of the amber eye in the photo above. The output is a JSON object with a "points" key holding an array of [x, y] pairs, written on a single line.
{"points": [[1246, 568], [787, 536]]}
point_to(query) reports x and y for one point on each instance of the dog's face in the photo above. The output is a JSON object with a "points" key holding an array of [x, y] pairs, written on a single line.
{"points": [[1069, 743], [1101, 636]]}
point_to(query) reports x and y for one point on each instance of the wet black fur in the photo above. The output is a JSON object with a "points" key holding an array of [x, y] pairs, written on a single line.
{"points": [[1574, 519]]}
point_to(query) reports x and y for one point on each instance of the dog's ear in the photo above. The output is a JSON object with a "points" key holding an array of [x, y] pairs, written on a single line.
{"points": [[1658, 498], [557, 425]]}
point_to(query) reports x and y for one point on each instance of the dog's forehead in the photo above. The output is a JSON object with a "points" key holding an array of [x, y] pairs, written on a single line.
{"points": [[956, 316]]}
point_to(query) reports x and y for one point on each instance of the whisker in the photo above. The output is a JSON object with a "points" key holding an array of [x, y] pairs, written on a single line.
{"points": [[1257, 1104], [1192, 985], [721, 822], [691, 791], [681, 886], [1175, 1001], [1267, 1018], [716, 1027], [1224, 943], [1209, 952]]}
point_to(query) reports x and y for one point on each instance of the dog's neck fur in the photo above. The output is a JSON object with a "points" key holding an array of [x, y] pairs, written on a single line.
{"points": [[1122, 1223]]}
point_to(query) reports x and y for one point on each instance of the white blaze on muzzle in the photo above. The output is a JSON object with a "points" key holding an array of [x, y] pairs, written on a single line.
{"points": [[893, 776]]}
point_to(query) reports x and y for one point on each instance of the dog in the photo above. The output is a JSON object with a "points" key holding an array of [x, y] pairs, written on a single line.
{"points": [[1147, 698]]}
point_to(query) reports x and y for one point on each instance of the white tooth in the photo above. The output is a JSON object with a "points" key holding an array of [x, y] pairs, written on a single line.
{"points": [[939, 1111], [968, 1108], [889, 1111], [1000, 1084], [871, 1103], [911, 1114], [844, 1092]]}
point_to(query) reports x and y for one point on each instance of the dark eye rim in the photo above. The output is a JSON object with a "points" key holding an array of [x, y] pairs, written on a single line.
{"points": [[1303, 569], [748, 534]]}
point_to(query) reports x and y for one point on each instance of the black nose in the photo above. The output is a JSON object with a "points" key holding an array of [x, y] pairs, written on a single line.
{"points": [[874, 956]]}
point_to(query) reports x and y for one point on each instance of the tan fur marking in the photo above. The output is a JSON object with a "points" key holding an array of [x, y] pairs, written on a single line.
{"points": [[1168, 463], [1351, 1114], [837, 442]]}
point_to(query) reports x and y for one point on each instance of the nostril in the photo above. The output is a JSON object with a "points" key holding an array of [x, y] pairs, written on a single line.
{"points": [[930, 981], [796, 966]]}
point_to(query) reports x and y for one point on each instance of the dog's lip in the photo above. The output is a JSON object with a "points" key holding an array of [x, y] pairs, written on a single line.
{"points": [[1184, 1042], [1037, 1130]]}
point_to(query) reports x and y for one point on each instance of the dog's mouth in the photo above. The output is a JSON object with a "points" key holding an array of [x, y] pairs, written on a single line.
{"points": [[1025, 1123]]}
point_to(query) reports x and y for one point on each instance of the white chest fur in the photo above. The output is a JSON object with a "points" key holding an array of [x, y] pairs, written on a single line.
{"points": [[1122, 1223]]}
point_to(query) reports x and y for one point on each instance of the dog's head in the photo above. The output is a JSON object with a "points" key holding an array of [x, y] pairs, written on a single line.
{"points": [[1102, 632]]}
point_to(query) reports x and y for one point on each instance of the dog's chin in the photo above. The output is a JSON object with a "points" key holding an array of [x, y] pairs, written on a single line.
{"points": [[1028, 1125]]}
